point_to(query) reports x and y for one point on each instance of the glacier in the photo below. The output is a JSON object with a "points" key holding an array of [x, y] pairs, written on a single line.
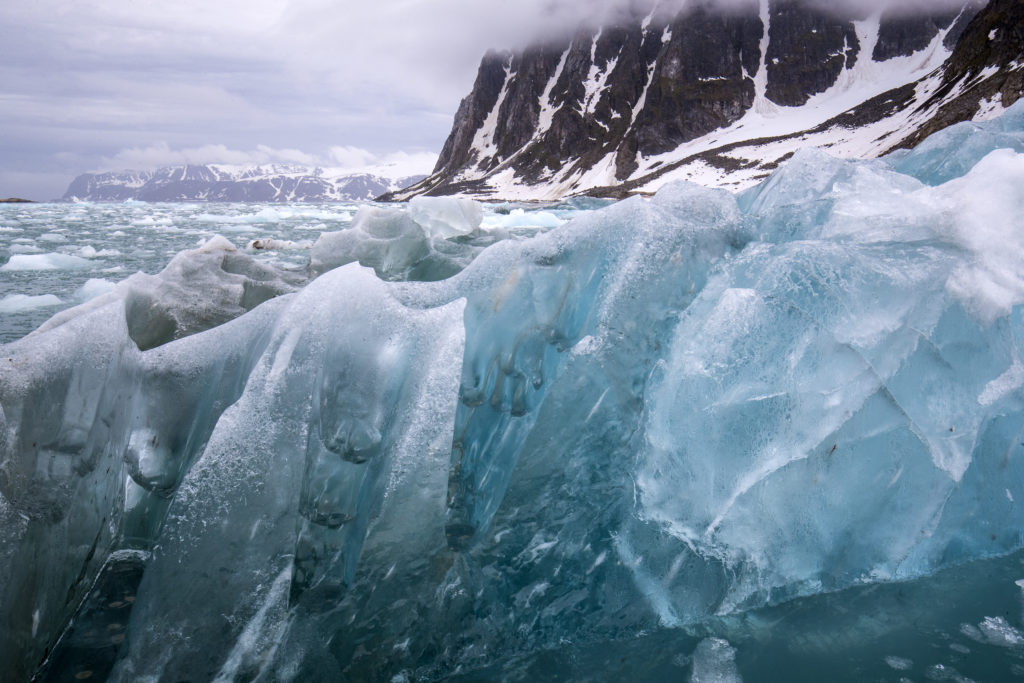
{"points": [[705, 435]]}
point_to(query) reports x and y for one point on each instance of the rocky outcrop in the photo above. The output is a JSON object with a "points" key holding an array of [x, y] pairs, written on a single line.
{"points": [[902, 34], [213, 182], [698, 85], [807, 50], [985, 71], [721, 97]]}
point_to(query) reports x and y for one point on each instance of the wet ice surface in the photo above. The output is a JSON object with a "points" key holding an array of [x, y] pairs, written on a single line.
{"points": [[706, 437]]}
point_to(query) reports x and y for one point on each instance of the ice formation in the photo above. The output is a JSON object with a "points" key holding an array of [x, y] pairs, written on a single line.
{"points": [[198, 290], [446, 216], [630, 438], [416, 244]]}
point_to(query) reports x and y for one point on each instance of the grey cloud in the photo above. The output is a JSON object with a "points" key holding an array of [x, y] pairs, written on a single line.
{"points": [[86, 79]]}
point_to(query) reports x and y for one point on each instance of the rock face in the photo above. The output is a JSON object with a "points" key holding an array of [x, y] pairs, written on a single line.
{"points": [[807, 50], [722, 97], [985, 73], [222, 183]]}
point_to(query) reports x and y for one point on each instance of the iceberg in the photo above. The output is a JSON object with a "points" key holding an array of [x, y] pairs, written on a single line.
{"points": [[700, 435], [434, 239]]}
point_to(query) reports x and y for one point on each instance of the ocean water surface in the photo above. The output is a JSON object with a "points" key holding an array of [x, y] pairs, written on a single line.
{"points": [[57, 255]]}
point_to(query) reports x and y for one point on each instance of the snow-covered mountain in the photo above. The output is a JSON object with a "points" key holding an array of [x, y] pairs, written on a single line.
{"points": [[230, 183], [721, 98]]}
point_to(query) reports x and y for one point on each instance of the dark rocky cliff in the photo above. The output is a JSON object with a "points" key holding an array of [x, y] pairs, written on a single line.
{"points": [[987, 65], [606, 110]]}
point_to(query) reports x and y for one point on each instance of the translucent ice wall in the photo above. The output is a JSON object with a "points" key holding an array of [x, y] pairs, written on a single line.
{"points": [[663, 414]]}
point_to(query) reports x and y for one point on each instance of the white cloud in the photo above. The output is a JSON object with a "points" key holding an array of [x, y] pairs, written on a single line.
{"points": [[351, 157], [408, 163], [161, 154]]}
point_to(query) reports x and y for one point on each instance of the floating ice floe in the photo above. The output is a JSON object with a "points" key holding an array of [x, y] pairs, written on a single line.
{"points": [[16, 303], [405, 245], [51, 261], [88, 251], [270, 244], [520, 218]]}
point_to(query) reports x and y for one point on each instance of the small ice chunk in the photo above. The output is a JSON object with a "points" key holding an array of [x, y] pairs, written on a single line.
{"points": [[217, 243], [899, 663], [446, 216], [93, 288], [941, 672], [997, 631], [16, 303], [271, 244], [50, 261], [714, 661], [520, 218], [994, 631], [89, 251]]}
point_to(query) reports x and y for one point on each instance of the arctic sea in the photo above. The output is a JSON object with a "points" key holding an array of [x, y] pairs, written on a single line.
{"points": [[58, 255]]}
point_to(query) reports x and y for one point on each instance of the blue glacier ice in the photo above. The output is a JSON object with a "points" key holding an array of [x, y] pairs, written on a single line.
{"points": [[702, 436]]}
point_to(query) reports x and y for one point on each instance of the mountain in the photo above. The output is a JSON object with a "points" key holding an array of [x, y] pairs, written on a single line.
{"points": [[226, 183], [721, 98]]}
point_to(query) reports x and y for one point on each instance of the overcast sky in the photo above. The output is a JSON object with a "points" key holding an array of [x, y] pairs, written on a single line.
{"points": [[112, 84]]}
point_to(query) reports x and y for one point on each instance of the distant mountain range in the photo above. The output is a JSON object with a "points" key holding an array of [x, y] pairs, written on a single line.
{"points": [[721, 98], [227, 183]]}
